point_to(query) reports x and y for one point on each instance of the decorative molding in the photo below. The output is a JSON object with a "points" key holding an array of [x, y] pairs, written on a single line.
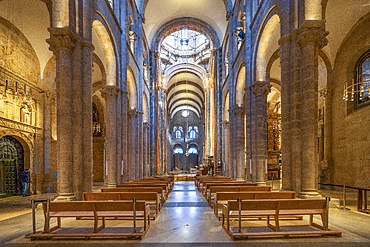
{"points": [[61, 39], [133, 113], [108, 92], [238, 110], [261, 87], [18, 126], [313, 32]]}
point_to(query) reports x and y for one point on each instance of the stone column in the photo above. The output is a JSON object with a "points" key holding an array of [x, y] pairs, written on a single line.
{"points": [[87, 138], [132, 147], [119, 158], [226, 148], [125, 136], [238, 141], [110, 94], [259, 126], [62, 44], [146, 171], [292, 164], [48, 174], [286, 102], [311, 37]]}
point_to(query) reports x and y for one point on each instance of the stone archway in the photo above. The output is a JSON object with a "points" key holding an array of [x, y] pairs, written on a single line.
{"points": [[11, 165]]}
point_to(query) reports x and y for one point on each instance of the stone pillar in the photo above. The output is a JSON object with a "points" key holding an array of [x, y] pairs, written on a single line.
{"points": [[61, 43], [110, 94], [286, 102], [259, 127], [125, 136], [311, 37], [132, 147], [146, 166], [48, 174], [119, 158], [87, 137], [239, 145], [226, 148], [291, 137]]}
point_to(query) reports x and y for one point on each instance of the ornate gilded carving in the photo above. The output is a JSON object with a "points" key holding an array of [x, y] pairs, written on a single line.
{"points": [[10, 124]]}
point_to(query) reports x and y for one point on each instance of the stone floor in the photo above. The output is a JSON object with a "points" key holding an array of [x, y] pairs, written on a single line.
{"points": [[185, 220]]}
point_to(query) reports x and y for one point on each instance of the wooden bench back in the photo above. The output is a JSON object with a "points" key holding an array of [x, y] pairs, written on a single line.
{"points": [[133, 189], [104, 196], [275, 195], [231, 183], [69, 206], [223, 196], [101, 196], [254, 188], [163, 186], [253, 205], [289, 205], [119, 206], [215, 189], [298, 204]]}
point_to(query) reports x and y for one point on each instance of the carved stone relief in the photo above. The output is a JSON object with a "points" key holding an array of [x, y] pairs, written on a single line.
{"points": [[17, 54]]}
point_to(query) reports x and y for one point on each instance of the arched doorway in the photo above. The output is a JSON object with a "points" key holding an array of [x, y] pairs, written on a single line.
{"points": [[192, 154], [178, 153], [11, 166]]}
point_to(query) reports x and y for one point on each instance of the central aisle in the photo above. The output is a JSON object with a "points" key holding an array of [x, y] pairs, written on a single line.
{"points": [[186, 218]]}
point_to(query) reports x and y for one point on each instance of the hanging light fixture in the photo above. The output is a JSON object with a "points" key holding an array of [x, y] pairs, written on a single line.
{"points": [[187, 114], [361, 88]]}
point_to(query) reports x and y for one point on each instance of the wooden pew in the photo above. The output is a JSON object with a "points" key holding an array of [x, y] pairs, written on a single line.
{"points": [[214, 189], [150, 198], [149, 184], [96, 210], [241, 209], [207, 185], [158, 190], [222, 198], [132, 185], [153, 180], [200, 181], [168, 181]]}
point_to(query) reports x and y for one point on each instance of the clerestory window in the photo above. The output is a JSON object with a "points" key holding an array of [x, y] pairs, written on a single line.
{"points": [[362, 80]]}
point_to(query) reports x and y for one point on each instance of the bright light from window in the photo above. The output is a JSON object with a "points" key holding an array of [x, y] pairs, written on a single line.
{"points": [[185, 113], [178, 150]]}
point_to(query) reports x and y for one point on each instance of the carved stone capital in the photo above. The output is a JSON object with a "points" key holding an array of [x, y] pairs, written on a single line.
{"points": [[261, 87], [238, 110], [133, 113], [225, 123], [109, 92], [61, 39], [288, 38], [146, 126], [313, 32]]}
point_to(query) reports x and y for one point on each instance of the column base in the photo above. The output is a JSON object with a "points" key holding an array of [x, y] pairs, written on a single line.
{"points": [[66, 197], [261, 183], [309, 194], [111, 185]]}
